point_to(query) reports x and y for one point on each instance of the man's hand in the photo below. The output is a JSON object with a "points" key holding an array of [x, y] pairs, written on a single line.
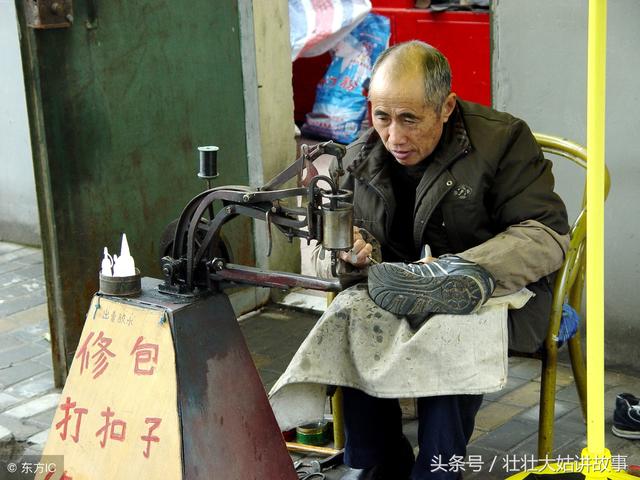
{"points": [[359, 254]]}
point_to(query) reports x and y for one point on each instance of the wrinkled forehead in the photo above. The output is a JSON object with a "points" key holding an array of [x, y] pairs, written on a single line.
{"points": [[398, 81]]}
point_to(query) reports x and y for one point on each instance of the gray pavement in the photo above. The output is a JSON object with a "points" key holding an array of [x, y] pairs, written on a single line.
{"points": [[506, 427], [28, 398]]}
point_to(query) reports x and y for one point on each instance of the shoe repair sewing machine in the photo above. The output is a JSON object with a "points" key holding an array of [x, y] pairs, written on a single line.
{"points": [[162, 379], [197, 259]]}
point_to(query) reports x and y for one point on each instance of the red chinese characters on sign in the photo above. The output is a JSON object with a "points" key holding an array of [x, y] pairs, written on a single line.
{"points": [[114, 430], [100, 357], [146, 353], [64, 423], [154, 423]]}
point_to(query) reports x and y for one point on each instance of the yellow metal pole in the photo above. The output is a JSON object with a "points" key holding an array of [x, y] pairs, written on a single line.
{"points": [[595, 462], [596, 71]]}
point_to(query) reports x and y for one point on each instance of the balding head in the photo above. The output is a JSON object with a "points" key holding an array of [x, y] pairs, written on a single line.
{"points": [[414, 59]]}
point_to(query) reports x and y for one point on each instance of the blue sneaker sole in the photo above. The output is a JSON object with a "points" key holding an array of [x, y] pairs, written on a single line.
{"points": [[404, 293]]}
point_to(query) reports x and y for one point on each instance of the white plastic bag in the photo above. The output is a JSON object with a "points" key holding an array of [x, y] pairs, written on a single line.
{"points": [[316, 26]]}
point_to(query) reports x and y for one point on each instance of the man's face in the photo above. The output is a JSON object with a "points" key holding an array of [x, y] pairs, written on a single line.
{"points": [[409, 128]]}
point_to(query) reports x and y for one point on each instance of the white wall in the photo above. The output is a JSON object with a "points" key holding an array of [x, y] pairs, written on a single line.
{"points": [[539, 74], [19, 220]]}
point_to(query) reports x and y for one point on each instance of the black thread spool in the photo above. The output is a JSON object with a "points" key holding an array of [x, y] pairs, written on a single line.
{"points": [[208, 162]]}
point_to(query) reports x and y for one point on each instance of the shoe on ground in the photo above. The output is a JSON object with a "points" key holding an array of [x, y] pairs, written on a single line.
{"points": [[449, 285], [626, 417], [397, 467]]}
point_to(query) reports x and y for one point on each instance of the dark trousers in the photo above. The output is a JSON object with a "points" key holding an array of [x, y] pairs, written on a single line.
{"points": [[373, 427]]}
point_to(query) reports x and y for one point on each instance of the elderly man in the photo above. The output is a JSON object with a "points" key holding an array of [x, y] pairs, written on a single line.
{"points": [[465, 180]]}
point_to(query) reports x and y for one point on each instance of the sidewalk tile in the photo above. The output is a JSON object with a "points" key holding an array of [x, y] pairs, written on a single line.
{"points": [[33, 386], [561, 408], [21, 431], [528, 370], [507, 436], [34, 407], [5, 434], [43, 419], [495, 414], [524, 396], [39, 438], [568, 394], [25, 302], [21, 371], [7, 400], [512, 384], [19, 354]]}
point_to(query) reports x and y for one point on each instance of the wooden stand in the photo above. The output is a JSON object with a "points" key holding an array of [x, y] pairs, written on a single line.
{"points": [[163, 387]]}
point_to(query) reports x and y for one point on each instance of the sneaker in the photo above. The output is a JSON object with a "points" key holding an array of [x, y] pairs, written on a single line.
{"points": [[448, 285], [626, 417]]}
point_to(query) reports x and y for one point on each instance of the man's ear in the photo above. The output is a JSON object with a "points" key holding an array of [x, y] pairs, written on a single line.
{"points": [[448, 106]]}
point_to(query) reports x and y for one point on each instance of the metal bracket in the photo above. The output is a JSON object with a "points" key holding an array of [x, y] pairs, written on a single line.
{"points": [[42, 14]]}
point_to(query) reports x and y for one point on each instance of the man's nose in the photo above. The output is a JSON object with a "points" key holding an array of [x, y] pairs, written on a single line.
{"points": [[396, 134]]}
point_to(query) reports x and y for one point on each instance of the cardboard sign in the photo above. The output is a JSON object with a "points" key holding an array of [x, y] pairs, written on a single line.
{"points": [[117, 416]]}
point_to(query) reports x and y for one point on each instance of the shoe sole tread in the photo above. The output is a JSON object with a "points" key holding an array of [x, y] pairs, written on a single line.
{"points": [[404, 293]]}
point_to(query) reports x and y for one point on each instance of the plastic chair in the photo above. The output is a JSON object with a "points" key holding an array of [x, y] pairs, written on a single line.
{"points": [[568, 288]]}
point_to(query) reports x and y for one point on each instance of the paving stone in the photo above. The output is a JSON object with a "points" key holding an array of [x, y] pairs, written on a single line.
{"points": [[5, 434], [21, 371], [529, 369], [495, 414], [561, 408], [33, 386], [39, 438], [512, 384], [32, 333], [20, 320], [612, 379], [7, 400], [34, 407], [524, 396], [19, 354], [507, 436], [6, 247], [8, 342], [43, 419], [45, 359], [21, 431], [568, 394], [16, 254], [33, 258], [21, 303], [564, 376]]}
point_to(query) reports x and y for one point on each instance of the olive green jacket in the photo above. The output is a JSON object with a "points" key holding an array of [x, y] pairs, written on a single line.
{"points": [[495, 189]]}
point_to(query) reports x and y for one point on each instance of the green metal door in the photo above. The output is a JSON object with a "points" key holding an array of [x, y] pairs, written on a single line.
{"points": [[118, 103]]}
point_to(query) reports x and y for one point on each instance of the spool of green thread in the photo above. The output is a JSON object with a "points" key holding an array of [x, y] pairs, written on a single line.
{"points": [[316, 433]]}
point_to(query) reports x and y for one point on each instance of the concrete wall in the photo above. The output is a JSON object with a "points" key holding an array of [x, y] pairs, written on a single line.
{"points": [[275, 106], [18, 207], [539, 74]]}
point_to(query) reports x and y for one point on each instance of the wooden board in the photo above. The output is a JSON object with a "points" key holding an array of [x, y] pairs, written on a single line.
{"points": [[117, 416]]}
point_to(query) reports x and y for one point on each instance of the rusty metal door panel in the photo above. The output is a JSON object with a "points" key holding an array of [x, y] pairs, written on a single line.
{"points": [[118, 103]]}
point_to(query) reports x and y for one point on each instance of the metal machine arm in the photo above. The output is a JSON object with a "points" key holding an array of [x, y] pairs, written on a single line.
{"points": [[327, 218]]}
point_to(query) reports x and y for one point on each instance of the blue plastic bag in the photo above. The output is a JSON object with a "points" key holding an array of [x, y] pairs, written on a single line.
{"points": [[340, 104]]}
